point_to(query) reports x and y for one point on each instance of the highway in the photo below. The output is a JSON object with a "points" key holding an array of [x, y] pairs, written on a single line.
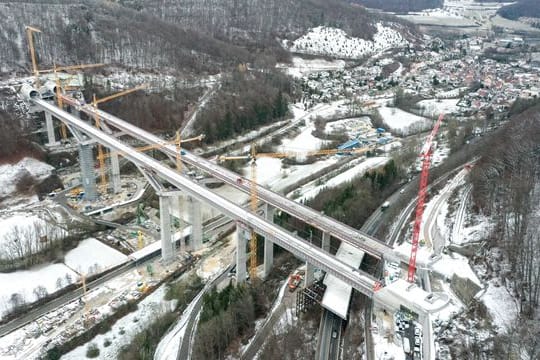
{"points": [[329, 336], [340, 231], [358, 279]]}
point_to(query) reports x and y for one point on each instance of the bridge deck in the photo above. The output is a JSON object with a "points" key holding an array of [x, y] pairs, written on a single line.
{"points": [[338, 293]]}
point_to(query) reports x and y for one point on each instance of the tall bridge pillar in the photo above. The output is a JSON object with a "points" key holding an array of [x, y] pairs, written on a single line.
{"points": [[115, 172], [50, 129], [242, 238], [310, 275], [196, 224], [268, 244], [88, 180], [167, 248], [325, 241]]}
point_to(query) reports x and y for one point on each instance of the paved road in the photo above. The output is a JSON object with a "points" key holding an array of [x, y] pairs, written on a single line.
{"points": [[184, 351]]}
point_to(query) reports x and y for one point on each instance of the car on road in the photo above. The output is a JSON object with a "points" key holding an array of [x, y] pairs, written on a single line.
{"points": [[334, 334], [417, 331], [401, 191], [416, 343]]}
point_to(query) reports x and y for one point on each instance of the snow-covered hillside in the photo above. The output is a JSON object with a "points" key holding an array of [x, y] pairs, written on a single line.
{"points": [[11, 174], [330, 41]]}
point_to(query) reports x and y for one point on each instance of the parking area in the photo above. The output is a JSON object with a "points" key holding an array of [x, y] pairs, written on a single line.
{"points": [[410, 333]]}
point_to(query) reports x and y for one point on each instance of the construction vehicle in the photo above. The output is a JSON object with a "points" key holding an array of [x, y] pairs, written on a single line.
{"points": [[427, 152], [294, 281], [253, 156]]}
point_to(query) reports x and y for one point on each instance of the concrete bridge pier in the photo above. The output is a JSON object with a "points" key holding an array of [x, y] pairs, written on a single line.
{"points": [[309, 277], [115, 172], [325, 242], [88, 178], [242, 239], [167, 248], [50, 130], [196, 224], [268, 244]]}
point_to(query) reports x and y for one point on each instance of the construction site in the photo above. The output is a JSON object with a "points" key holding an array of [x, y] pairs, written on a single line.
{"points": [[127, 214]]}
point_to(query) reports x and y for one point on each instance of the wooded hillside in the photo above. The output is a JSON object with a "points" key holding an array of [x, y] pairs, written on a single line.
{"points": [[401, 6], [184, 35], [522, 8], [507, 186]]}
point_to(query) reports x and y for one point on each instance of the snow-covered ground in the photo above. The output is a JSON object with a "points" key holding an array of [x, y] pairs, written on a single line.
{"points": [[301, 67], [10, 174], [24, 282], [502, 307], [91, 256], [358, 168], [433, 107], [126, 328], [21, 232], [350, 127], [330, 41], [402, 122]]}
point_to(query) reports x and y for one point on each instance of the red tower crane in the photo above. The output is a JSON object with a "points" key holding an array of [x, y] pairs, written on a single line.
{"points": [[426, 153]]}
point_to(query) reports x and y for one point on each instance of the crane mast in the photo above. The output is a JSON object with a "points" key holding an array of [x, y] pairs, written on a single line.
{"points": [[427, 151]]}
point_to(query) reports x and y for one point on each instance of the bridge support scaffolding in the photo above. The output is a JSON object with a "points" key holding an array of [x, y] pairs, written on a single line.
{"points": [[50, 129], [196, 224], [167, 248], [88, 180], [268, 245]]}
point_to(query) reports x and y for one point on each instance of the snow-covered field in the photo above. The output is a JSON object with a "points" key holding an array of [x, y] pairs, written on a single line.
{"points": [[402, 122], [92, 256], [434, 107], [51, 277], [330, 41], [350, 127], [301, 67]]}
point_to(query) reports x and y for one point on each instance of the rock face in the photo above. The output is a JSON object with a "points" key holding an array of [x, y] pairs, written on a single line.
{"points": [[192, 35]]}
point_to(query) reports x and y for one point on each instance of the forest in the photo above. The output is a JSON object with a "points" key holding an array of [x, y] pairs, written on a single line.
{"points": [[246, 100], [521, 8], [401, 6], [506, 187], [175, 35]]}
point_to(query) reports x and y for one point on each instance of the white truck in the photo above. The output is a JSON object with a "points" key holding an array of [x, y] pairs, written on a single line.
{"points": [[406, 345]]}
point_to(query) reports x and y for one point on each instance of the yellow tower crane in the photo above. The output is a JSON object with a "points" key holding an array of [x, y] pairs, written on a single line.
{"points": [[60, 88], [30, 36], [253, 156], [101, 155]]}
